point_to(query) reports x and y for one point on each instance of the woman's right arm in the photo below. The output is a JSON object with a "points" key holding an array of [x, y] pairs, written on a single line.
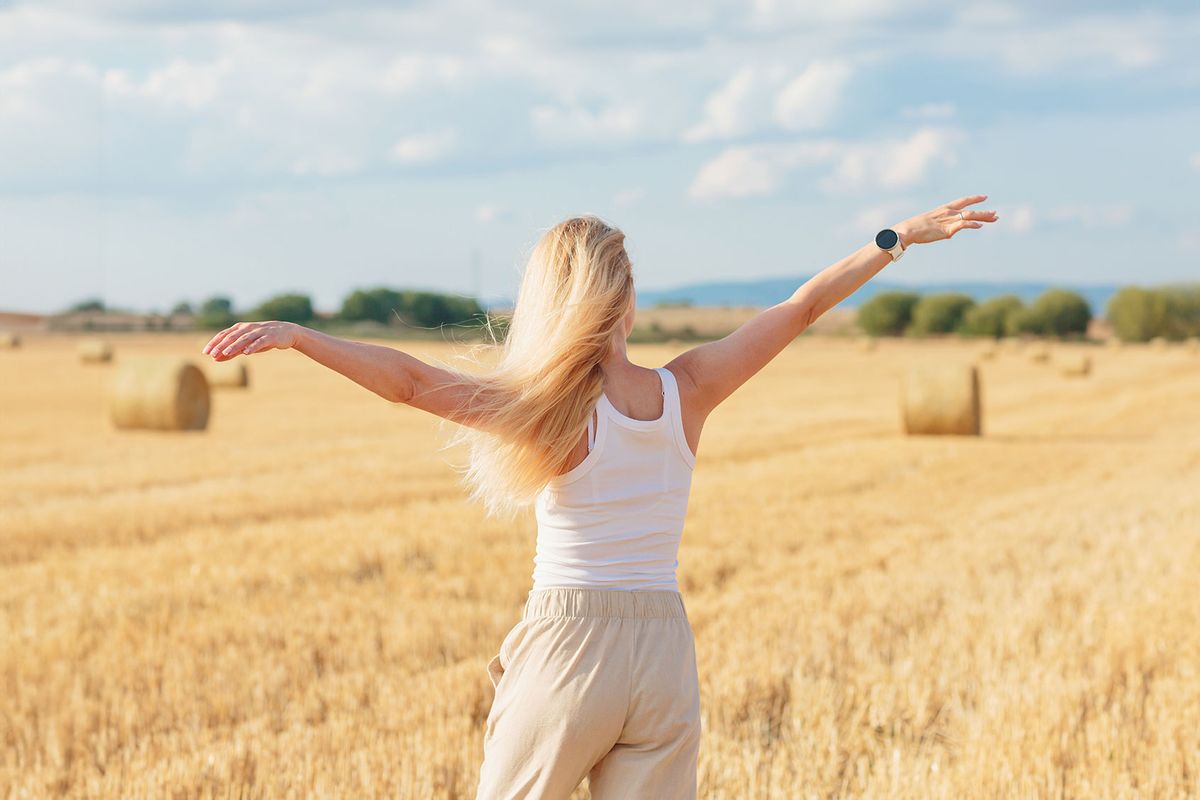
{"points": [[392, 374], [714, 370]]}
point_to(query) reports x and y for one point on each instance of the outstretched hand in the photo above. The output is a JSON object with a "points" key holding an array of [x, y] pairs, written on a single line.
{"points": [[945, 221], [251, 337]]}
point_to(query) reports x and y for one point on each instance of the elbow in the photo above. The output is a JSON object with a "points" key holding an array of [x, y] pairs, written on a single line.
{"points": [[806, 321], [803, 315], [400, 391]]}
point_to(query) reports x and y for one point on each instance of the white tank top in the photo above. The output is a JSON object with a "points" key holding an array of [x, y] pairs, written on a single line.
{"points": [[614, 520]]}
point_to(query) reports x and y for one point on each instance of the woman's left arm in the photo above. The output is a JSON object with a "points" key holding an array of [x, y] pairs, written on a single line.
{"points": [[835, 283], [393, 375]]}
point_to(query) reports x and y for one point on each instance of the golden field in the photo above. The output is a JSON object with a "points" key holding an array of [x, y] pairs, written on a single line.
{"points": [[298, 602]]}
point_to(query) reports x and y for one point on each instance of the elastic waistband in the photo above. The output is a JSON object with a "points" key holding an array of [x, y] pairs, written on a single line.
{"points": [[569, 601]]}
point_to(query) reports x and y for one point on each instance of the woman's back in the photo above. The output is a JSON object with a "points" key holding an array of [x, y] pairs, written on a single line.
{"points": [[614, 521]]}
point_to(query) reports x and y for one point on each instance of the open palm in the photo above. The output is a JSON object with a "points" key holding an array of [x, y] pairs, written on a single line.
{"points": [[945, 221]]}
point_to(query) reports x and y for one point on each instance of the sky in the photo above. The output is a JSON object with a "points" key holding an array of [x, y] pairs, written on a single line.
{"points": [[153, 152]]}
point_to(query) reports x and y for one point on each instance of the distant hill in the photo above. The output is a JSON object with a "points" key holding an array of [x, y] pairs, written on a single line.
{"points": [[768, 291]]}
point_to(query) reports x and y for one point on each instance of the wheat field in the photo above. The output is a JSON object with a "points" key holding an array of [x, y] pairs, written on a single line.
{"points": [[299, 602]]}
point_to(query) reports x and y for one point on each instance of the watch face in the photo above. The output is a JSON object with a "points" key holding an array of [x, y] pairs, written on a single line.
{"points": [[886, 239]]}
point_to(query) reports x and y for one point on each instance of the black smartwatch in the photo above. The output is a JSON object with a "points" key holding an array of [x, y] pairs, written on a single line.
{"points": [[889, 241]]}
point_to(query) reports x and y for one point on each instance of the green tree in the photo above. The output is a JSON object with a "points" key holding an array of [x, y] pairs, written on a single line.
{"points": [[431, 309], [90, 304], [376, 304], [216, 312], [423, 309], [1056, 312], [887, 313], [286, 307], [990, 318], [183, 307], [1183, 311], [1137, 314], [939, 313]]}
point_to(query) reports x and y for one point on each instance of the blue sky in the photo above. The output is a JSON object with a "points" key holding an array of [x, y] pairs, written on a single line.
{"points": [[158, 151]]}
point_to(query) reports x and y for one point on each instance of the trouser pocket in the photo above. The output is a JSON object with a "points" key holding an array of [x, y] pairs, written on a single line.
{"points": [[500, 662], [495, 669]]}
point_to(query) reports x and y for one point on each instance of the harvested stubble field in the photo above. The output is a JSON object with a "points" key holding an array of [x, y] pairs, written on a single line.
{"points": [[299, 603]]}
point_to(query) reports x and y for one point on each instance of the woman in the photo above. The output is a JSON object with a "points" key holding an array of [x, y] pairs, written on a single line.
{"points": [[598, 677]]}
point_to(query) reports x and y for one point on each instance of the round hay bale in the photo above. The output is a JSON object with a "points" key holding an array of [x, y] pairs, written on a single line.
{"points": [[9, 340], [227, 374], [95, 351], [867, 344], [941, 400], [1075, 366], [1012, 344], [165, 394], [1113, 343], [1159, 343], [1193, 345], [1039, 354]]}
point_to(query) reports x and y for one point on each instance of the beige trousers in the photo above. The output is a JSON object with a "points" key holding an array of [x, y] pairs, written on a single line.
{"points": [[594, 682]]}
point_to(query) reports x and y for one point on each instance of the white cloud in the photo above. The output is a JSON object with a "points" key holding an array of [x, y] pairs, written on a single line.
{"points": [[489, 213], [423, 148], [810, 99], [247, 100], [930, 111], [877, 217], [891, 164], [191, 85], [982, 15], [1092, 216], [187, 109], [1024, 217], [726, 111], [576, 124], [414, 71], [49, 117], [1020, 219], [1032, 45], [768, 13], [628, 197], [329, 163], [178, 93], [736, 172], [772, 93], [905, 162]]}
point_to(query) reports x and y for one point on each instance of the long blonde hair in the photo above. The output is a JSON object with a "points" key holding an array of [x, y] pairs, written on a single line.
{"points": [[533, 405]]}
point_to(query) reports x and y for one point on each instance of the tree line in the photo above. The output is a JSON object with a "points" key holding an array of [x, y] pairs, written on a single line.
{"points": [[381, 304], [1136, 314]]}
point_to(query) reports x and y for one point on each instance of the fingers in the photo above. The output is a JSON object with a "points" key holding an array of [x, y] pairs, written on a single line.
{"points": [[969, 200], [226, 338], [263, 342], [959, 225], [978, 214], [239, 344], [219, 340], [213, 341]]}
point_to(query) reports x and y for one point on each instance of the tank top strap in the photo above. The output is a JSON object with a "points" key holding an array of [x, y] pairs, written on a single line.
{"points": [[670, 392], [673, 408], [591, 431]]}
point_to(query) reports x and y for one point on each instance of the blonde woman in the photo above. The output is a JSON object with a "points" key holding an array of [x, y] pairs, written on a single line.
{"points": [[598, 677]]}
